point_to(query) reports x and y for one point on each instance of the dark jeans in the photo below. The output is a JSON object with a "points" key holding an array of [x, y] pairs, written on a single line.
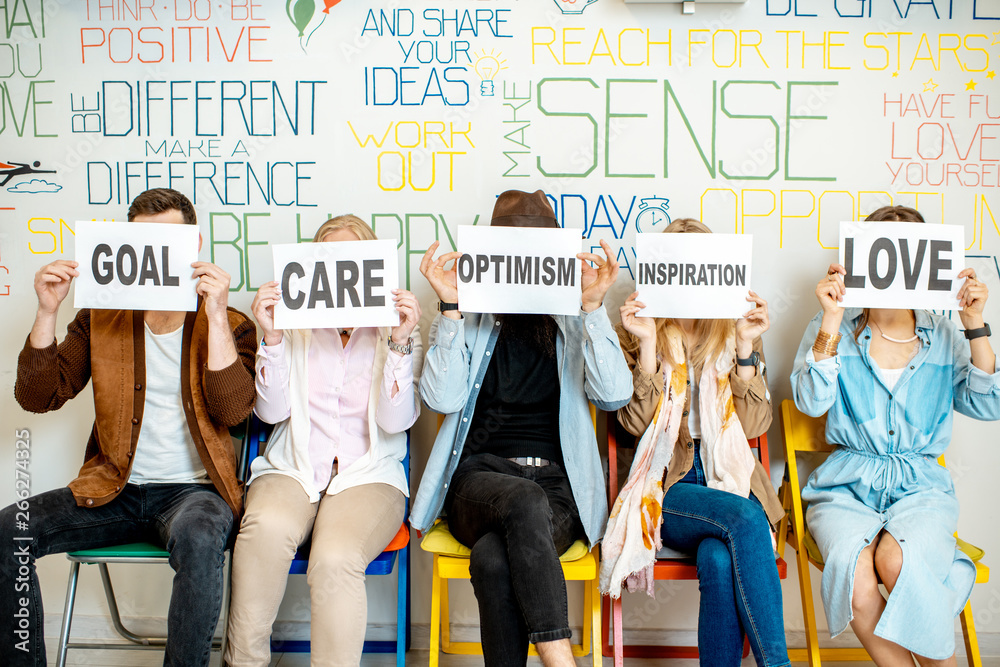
{"points": [[192, 520], [517, 520], [737, 575]]}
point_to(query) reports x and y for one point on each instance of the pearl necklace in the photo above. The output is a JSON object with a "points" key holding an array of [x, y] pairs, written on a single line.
{"points": [[893, 340]]}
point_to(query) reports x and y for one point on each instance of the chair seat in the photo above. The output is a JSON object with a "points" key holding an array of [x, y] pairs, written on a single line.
{"points": [[131, 551], [440, 541]]}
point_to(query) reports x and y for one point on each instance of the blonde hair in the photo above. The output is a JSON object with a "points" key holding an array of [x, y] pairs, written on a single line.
{"points": [[349, 222], [709, 336]]}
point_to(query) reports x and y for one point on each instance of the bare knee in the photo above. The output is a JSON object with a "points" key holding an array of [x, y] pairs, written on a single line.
{"points": [[888, 560], [866, 596]]}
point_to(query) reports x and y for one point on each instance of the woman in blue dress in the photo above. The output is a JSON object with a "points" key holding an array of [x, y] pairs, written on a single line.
{"points": [[880, 507]]}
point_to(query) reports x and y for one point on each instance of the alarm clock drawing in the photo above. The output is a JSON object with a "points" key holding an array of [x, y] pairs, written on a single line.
{"points": [[653, 214]]}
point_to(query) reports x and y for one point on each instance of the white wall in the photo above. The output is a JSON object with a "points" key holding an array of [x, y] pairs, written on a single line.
{"points": [[790, 180]]}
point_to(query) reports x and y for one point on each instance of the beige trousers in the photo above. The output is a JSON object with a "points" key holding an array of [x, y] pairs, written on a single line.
{"points": [[348, 529]]}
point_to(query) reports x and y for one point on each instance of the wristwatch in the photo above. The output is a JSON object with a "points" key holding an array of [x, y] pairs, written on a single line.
{"points": [[752, 360], [978, 333], [402, 349], [444, 305]]}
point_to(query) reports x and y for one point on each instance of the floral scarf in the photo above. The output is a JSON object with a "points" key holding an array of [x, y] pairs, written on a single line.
{"points": [[632, 537]]}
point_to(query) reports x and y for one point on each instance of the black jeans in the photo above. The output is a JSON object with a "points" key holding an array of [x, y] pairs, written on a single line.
{"points": [[517, 520], [191, 520]]}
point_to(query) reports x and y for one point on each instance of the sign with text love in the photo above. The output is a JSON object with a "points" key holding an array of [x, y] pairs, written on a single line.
{"points": [[705, 276], [337, 284], [136, 265], [901, 264], [519, 270]]}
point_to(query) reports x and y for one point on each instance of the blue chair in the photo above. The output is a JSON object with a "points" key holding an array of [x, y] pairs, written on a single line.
{"points": [[382, 565]]}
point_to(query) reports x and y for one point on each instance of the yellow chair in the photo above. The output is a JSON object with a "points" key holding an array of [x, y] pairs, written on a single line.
{"points": [[451, 561], [808, 434]]}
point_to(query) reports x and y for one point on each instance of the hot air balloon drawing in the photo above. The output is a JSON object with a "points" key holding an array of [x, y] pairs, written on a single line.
{"points": [[302, 14]]}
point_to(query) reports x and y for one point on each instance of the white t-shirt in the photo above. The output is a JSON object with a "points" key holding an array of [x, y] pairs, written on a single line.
{"points": [[694, 411], [165, 451]]}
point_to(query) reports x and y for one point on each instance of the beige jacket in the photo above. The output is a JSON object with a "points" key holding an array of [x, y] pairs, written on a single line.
{"points": [[753, 407]]}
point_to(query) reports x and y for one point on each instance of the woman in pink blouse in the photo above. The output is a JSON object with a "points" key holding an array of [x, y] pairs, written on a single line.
{"points": [[341, 401]]}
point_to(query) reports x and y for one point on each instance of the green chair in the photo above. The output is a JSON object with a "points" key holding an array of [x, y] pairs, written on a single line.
{"points": [[138, 553]]}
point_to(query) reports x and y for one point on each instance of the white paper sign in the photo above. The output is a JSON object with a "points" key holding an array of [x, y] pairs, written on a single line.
{"points": [[705, 276], [519, 270], [901, 264], [136, 265], [338, 284]]}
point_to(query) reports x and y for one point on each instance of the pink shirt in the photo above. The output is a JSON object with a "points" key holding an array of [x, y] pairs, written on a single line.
{"points": [[340, 380]]}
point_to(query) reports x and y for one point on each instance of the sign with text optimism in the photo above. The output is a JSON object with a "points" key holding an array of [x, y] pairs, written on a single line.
{"points": [[136, 265], [338, 284], [901, 264], [519, 270], [705, 276]]}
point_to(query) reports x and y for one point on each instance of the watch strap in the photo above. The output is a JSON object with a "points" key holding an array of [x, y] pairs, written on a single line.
{"points": [[752, 360], [401, 349], [444, 305], [978, 333]]}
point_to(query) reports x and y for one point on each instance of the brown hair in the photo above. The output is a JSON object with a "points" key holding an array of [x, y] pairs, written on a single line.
{"points": [[349, 222], [709, 336], [886, 214], [159, 200]]}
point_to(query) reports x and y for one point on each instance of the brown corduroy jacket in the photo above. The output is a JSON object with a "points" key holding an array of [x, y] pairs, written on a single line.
{"points": [[109, 346], [753, 407]]}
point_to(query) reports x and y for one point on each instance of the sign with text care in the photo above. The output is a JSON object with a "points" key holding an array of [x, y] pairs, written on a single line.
{"points": [[901, 264], [519, 270], [136, 265], [337, 284], [705, 276]]}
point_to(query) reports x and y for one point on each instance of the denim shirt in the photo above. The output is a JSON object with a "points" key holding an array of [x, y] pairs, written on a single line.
{"points": [[915, 418], [591, 367]]}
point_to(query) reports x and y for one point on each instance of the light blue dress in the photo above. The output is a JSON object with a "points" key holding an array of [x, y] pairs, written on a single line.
{"points": [[884, 474]]}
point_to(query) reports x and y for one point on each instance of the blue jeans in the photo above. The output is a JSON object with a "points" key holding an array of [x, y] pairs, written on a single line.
{"points": [[191, 520], [517, 520], [737, 575]]}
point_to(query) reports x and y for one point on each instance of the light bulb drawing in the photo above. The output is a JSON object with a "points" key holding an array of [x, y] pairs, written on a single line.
{"points": [[487, 66]]}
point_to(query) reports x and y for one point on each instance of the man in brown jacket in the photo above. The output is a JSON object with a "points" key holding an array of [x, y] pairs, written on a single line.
{"points": [[159, 465]]}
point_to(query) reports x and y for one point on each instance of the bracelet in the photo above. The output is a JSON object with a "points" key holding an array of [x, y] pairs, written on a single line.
{"points": [[826, 344], [402, 349]]}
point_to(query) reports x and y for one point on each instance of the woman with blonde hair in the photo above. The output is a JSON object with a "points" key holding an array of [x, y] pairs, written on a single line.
{"points": [[341, 401], [699, 393], [880, 507]]}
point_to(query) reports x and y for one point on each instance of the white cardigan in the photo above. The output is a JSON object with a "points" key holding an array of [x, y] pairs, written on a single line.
{"points": [[287, 451]]}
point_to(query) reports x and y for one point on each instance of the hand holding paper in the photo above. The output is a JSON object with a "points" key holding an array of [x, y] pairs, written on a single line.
{"points": [[409, 314], [443, 281], [52, 283], [596, 281], [213, 285], [262, 307], [752, 325], [972, 297]]}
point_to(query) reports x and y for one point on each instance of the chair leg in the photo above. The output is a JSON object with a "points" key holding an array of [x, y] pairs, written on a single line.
{"points": [[445, 617], [435, 637], [402, 613], [616, 621], [109, 593], [808, 611], [971, 641], [67, 620], [227, 594], [595, 622]]}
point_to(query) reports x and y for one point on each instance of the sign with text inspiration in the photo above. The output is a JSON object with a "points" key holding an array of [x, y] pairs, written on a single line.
{"points": [[519, 270], [901, 264], [705, 276], [136, 265], [337, 284]]}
